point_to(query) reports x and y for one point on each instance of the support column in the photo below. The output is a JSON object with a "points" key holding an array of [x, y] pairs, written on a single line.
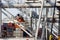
{"points": [[0, 18], [31, 19], [47, 9]]}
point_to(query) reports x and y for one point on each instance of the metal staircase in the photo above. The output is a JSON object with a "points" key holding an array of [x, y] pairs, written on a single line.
{"points": [[28, 28], [25, 12], [21, 26]]}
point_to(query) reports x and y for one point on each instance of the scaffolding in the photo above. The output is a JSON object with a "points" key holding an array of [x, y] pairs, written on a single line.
{"points": [[32, 4]]}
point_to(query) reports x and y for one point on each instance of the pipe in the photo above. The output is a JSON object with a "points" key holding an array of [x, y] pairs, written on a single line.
{"points": [[26, 6], [39, 21]]}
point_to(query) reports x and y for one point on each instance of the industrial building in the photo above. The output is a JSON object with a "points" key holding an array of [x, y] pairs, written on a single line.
{"points": [[29, 19]]}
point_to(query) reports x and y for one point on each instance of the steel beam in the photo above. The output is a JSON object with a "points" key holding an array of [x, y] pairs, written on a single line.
{"points": [[27, 6], [0, 22]]}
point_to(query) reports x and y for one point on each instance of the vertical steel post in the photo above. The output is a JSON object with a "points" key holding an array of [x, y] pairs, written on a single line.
{"points": [[31, 19], [36, 19], [39, 21], [46, 21], [0, 18]]}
